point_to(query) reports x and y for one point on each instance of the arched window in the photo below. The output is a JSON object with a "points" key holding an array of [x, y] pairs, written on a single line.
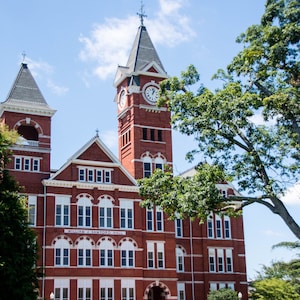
{"points": [[159, 162], [147, 164], [105, 212], [28, 132], [106, 254], [84, 216], [84, 253], [61, 252], [127, 254], [179, 260]]}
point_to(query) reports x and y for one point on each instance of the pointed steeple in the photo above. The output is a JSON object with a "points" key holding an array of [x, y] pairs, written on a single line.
{"points": [[25, 95], [142, 57]]}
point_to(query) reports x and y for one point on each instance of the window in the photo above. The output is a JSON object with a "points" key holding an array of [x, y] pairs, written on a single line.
{"points": [[106, 289], [152, 134], [126, 138], [62, 248], [220, 260], [94, 175], [159, 162], [159, 219], [218, 227], [26, 163], [18, 163], [62, 211], [159, 135], [127, 289], [126, 214], [127, 254], [61, 293], [149, 219], [181, 291], [178, 228], [150, 255], [61, 289], [229, 268], [212, 265], [35, 165], [227, 231], [84, 253], [84, 293], [106, 254], [160, 255], [147, 169], [105, 213], [84, 212], [210, 226], [106, 293], [179, 260], [32, 210], [223, 257], [81, 174], [144, 133]]}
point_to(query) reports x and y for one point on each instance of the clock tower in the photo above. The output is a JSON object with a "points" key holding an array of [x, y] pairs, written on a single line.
{"points": [[144, 130]]}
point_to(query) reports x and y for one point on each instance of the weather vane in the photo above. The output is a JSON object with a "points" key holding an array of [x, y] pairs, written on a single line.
{"points": [[141, 14]]}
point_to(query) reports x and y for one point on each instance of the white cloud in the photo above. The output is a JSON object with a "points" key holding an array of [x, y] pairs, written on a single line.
{"points": [[292, 196], [43, 71], [109, 44]]}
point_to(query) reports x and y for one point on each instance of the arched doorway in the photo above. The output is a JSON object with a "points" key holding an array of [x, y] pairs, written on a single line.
{"points": [[156, 293]]}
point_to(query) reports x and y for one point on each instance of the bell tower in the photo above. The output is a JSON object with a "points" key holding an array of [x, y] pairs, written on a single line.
{"points": [[26, 111], [144, 130]]}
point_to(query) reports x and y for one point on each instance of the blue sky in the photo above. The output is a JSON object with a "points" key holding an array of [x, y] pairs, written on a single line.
{"points": [[73, 49]]}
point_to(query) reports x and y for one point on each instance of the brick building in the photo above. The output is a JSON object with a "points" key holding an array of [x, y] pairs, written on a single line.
{"points": [[96, 241]]}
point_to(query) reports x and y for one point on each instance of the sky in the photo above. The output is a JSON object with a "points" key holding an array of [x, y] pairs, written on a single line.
{"points": [[73, 49]]}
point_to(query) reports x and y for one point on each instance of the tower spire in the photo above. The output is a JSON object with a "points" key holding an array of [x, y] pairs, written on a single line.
{"points": [[141, 13]]}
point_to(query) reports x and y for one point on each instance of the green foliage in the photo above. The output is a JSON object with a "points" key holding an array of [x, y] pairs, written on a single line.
{"points": [[222, 294], [273, 289], [181, 197], [18, 248], [263, 157]]}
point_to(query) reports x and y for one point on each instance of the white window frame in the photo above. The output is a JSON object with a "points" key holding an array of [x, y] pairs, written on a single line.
{"points": [[160, 255], [227, 227], [127, 255], [62, 259], [179, 260], [106, 247], [127, 289], [181, 290], [106, 286], [149, 219], [32, 202], [150, 255], [61, 285], [219, 230], [18, 163], [211, 260], [210, 226], [85, 247], [35, 165], [86, 286], [178, 228], [105, 220], [229, 261], [126, 214], [85, 205], [82, 174], [62, 203], [159, 219], [220, 260]]}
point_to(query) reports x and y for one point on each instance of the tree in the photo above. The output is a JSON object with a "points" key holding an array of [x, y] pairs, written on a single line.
{"points": [[275, 289], [262, 158], [18, 248], [222, 294]]}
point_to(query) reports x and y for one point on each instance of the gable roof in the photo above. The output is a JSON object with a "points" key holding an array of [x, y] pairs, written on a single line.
{"points": [[94, 153], [25, 95]]}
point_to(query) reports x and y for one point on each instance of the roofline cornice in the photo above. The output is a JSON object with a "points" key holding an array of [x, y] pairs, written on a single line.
{"points": [[90, 186]]}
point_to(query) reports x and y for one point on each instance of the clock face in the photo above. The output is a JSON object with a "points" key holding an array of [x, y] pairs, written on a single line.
{"points": [[122, 99], [151, 94]]}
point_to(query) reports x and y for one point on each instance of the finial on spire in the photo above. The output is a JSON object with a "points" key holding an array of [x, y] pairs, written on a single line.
{"points": [[97, 132], [141, 14]]}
